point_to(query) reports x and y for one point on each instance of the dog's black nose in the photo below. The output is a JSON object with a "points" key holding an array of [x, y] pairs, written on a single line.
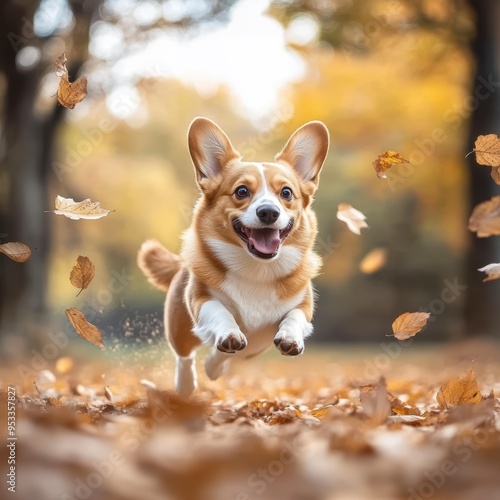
{"points": [[268, 214]]}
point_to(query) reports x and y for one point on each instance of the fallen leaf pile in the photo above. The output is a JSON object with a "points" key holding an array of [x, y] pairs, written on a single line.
{"points": [[316, 428]]}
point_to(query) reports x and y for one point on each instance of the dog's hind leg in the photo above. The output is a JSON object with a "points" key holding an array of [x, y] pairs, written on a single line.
{"points": [[216, 363], [178, 328]]}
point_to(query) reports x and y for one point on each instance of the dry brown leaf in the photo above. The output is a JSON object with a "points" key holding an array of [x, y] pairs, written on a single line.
{"points": [[459, 391], [385, 161], [492, 271], [487, 149], [69, 94], [373, 261], [375, 402], [18, 252], [76, 210], [86, 330], [485, 218], [495, 174], [354, 219], [82, 273], [409, 324]]}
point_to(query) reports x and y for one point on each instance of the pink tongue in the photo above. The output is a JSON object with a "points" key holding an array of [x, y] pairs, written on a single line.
{"points": [[265, 240]]}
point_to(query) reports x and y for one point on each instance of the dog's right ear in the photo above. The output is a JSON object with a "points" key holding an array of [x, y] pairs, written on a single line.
{"points": [[210, 149]]}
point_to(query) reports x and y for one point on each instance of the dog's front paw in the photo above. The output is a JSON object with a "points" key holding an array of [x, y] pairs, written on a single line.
{"points": [[288, 346], [232, 343]]}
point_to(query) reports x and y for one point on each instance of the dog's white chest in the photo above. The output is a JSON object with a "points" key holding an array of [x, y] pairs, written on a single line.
{"points": [[249, 289]]}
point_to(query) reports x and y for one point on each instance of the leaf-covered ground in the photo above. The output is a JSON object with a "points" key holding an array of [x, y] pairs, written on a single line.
{"points": [[324, 426]]}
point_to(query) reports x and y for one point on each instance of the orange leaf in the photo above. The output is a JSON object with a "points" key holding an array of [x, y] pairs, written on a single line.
{"points": [[459, 391], [409, 324], [385, 161], [18, 252], [86, 330], [82, 273], [485, 218], [487, 149]]}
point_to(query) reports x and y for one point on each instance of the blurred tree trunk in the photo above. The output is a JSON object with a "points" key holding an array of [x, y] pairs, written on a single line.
{"points": [[25, 165], [482, 307]]}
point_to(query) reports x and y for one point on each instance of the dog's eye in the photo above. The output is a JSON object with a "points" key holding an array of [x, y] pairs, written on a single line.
{"points": [[286, 193], [242, 192]]}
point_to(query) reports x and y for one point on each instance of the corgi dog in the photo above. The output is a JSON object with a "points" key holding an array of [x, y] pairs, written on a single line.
{"points": [[243, 278]]}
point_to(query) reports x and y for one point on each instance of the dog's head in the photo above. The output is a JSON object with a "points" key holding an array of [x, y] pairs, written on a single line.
{"points": [[258, 205]]}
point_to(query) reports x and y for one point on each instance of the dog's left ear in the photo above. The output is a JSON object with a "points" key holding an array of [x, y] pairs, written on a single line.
{"points": [[210, 149], [306, 151]]}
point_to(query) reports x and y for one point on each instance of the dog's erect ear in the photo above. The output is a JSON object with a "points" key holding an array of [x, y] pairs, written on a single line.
{"points": [[210, 149], [306, 151]]}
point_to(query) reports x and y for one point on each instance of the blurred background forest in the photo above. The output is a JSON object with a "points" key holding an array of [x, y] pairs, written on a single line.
{"points": [[420, 77]]}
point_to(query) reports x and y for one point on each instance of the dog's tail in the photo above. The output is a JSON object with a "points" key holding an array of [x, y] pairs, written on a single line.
{"points": [[158, 264]]}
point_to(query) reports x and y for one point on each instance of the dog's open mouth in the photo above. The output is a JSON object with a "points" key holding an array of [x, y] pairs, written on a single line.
{"points": [[262, 242]]}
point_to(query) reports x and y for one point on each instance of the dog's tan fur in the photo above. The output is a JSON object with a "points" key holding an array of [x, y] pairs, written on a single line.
{"points": [[214, 258]]}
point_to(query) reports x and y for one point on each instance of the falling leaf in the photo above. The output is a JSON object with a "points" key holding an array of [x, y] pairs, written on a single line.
{"points": [[354, 219], [69, 94], [459, 391], [375, 402], [409, 324], [76, 210], [373, 261], [495, 174], [60, 65], [487, 149], [82, 273], [86, 330], [18, 252], [485, 218], [385, 161], [492, 271], [108, 393]]}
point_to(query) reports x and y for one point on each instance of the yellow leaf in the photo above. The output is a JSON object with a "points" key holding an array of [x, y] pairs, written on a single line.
{"points": [[18, 252], [354, 219], [487, 149], [320, 412], [459, 391], [82, 273], [492, 271], [485, 218], [409, 324], [385, 161], [76, 210], [373, 261], [86, 330]]}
